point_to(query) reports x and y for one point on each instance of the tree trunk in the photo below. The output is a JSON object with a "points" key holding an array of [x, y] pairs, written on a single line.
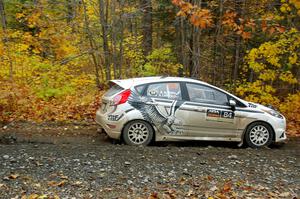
{"points": [[146, 7], [120, 63], [217, 52], [103, 21], [70, 10], [5, 39], [114, 38], [184, 55], [92, 46], [237, 58], [239, 8]]}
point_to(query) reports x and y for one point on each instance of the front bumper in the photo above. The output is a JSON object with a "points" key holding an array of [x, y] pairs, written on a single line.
{"points": [[279, 126]]}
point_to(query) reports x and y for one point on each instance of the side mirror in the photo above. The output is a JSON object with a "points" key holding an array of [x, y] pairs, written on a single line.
{"points": [[232, 104]]}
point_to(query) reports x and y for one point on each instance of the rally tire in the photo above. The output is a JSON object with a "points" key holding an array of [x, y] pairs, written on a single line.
{"points": [[258, 135], [138, 132]]}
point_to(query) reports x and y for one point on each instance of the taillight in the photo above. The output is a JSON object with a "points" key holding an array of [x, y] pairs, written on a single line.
{"points": [[121, 98]]}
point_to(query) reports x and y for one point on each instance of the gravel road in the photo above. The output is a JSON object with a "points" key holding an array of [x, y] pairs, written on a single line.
{"points": [[174, 170]]}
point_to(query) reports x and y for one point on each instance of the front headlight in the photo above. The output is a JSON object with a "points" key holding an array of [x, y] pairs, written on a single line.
{"points": [[274, 113]]}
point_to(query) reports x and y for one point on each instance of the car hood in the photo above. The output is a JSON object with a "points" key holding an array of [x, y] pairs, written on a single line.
{"points": [[260, 107]]}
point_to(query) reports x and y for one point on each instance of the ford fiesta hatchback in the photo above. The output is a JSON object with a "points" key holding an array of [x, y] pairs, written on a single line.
{"points": [[140, 110]]}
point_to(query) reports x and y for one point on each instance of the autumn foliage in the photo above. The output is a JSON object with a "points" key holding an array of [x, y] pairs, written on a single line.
{"points": [[270, 73], [56, 57]]}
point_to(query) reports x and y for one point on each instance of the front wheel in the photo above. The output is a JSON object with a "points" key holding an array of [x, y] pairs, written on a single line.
{"points": [[259, 135], [138, 133]]}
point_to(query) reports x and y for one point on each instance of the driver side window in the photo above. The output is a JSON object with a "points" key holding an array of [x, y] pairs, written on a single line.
{"points": [[204, 94]]}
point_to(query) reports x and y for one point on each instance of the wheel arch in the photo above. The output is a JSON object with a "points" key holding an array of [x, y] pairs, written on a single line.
{"points": [[154, 131], [267, 123]]}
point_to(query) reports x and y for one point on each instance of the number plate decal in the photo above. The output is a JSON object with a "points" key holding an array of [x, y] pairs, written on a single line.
{"points": [[219, 115], [227, 114]]}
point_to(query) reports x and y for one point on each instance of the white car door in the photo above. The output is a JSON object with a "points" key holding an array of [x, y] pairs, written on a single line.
{"points": [[212, 117]]}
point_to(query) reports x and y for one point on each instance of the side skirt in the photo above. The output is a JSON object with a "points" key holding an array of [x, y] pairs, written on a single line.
{"points": [[181, 138]]}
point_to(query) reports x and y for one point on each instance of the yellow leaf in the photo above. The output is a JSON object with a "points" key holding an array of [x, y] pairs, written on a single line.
{"points": [[43, 196], [19, 15], [33, 196]]}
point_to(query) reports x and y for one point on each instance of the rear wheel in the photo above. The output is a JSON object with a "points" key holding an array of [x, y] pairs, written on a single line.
{"points": [[138, 133], [259, 134]]}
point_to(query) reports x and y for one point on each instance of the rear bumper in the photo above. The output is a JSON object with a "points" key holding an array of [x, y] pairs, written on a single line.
{"points": [[112, 128]]}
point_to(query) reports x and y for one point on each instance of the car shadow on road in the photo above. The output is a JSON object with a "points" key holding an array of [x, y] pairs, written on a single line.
{"points": [[290, 144]]}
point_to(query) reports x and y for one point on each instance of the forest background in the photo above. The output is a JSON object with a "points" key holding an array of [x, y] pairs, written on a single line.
{"points": [[56, 56]]}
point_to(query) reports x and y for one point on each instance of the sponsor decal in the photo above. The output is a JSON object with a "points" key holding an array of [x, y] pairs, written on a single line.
{"points": [[213, 113], [252, 105], [114, 117], [167, 123]]}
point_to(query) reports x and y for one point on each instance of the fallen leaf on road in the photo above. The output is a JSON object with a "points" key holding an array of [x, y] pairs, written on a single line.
{"points": [[284, 194], [190, 193], [59, 184], [51, 183], [64, 177], [272, 194], [13, 176], [182, 181], [107, 189], [214, 188], [227, 187], [221, 196], [153, 196], [77, 183], [33, 196], [210, 178], [247, 188], [171, 193]]}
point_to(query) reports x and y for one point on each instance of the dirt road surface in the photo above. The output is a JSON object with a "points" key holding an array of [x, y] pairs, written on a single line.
{"points": [[172, 170]]}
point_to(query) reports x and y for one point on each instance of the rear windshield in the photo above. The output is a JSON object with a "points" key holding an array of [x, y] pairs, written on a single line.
{"points": [[113, 90]]}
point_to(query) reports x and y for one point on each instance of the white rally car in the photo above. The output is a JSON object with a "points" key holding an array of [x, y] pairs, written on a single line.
{"points": [[140, 110]]}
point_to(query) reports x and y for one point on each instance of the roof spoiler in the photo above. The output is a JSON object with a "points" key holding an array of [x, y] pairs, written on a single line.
{"points": [[125, 84]]}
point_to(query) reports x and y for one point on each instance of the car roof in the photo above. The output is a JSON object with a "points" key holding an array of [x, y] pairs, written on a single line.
{"points": [[128, 83]]}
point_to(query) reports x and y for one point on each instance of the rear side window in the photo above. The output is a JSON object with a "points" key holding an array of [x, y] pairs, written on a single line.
{"points": [[140, 89], [113, 90], [204, 94], [167, 90]]}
